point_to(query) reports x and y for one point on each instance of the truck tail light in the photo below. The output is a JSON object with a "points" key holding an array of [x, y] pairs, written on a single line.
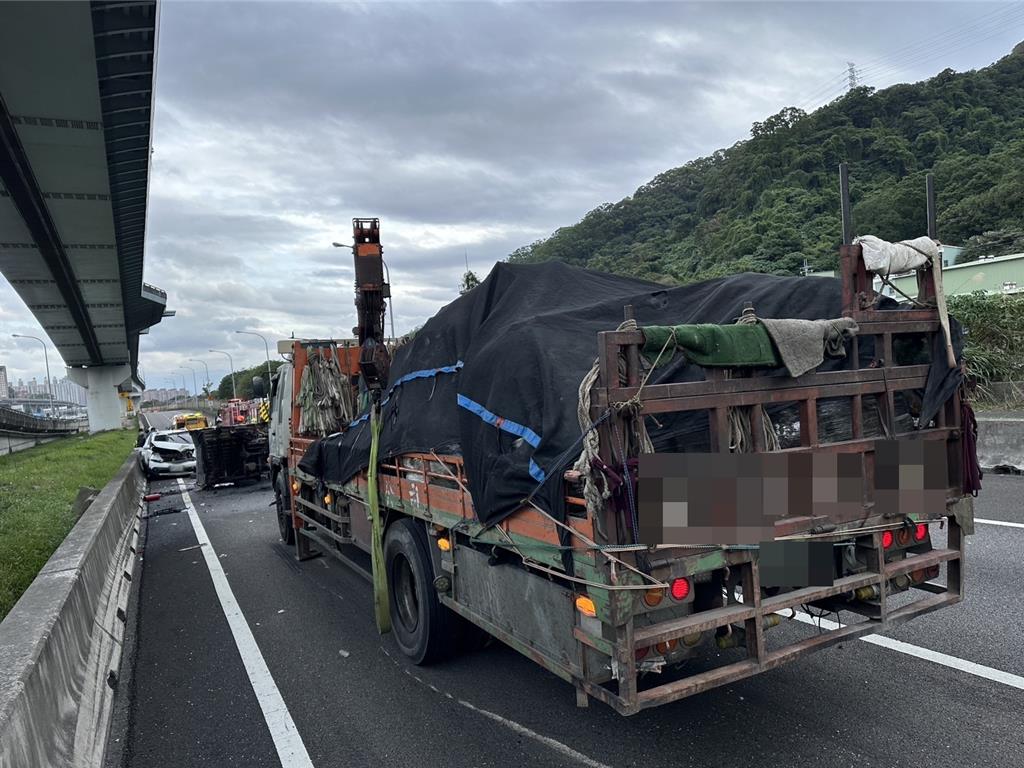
{"points": [[920, 532], [680, 589], [903, 536], [641, 653], [887, 539]]}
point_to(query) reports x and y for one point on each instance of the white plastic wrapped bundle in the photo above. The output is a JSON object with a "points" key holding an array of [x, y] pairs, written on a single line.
{"points": [[887, 258]]}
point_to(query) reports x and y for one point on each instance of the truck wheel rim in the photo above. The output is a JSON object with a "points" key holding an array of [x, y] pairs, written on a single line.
{"points": [[406, 602]]}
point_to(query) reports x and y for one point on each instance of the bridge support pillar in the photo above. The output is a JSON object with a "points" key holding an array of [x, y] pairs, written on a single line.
{"points": [[103, 403]]}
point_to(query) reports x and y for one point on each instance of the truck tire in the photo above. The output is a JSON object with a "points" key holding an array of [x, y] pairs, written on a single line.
{"points": [[282, 502], [423, 628]]}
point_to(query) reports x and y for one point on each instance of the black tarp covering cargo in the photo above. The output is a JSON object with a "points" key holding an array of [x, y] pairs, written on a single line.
{"points": [[494, 376]]}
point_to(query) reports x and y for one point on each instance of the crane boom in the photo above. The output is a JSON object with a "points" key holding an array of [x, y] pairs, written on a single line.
{"points": [[371, 295]]}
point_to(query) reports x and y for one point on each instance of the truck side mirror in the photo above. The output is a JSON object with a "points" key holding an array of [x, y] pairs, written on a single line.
{"points": [[258, 388]]}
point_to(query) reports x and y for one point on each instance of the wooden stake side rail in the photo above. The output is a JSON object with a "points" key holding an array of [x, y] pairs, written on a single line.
{"points": [[818, 385]]}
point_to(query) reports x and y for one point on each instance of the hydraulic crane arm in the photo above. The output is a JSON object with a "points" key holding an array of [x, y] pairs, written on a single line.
{"points": [[371, 293]]}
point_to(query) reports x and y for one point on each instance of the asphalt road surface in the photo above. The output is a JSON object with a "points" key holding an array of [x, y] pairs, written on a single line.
{"points": [[160, 419], [334, 693]]}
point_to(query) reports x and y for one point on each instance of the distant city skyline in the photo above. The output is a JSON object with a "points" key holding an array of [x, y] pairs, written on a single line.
{"points": [[64, 389]]}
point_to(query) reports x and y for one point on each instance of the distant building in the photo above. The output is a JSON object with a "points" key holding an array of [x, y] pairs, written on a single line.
{"points": [[5, 391], [991, 274], [162, 395], [950, 253]]}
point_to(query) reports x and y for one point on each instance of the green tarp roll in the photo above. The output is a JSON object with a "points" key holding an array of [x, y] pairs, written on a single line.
{"points": [[722, 346]]}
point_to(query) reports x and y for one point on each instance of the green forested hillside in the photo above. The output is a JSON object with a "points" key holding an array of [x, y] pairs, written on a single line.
{"points": [[768, 202]]}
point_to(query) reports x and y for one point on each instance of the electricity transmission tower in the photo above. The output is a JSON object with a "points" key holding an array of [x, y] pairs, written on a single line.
{"points": [[851, 75]]}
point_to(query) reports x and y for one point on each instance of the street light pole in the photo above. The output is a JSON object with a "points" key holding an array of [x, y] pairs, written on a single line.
{"points": [[267, 348], [196, 360], [231, 364], [195, 387], [46, 360]]}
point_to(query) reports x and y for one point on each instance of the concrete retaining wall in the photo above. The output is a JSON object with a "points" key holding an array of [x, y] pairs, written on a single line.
{"points": [[63, 637], [12, 442], [1001, 439]]}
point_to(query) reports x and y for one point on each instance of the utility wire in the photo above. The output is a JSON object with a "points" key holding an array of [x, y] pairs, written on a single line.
{"points": [[988, 34], [929, 42], [985, 27]]}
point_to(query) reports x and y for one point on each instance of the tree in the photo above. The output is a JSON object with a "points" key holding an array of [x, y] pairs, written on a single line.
{"points": [[469, 282], [243, 380], [772, 200]]}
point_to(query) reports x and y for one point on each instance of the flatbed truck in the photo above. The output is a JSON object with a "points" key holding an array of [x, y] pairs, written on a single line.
{"points": [[618, 632]]}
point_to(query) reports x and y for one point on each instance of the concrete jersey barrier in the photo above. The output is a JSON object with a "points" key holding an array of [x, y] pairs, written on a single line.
{"points": [[1001, 439], [63, 637]]}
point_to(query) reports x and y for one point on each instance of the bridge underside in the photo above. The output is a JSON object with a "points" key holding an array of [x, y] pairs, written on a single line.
{"points": [[76, 91]]}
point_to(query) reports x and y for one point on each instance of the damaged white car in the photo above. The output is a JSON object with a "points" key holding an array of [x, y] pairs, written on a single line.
{"points": [[168, 452]]}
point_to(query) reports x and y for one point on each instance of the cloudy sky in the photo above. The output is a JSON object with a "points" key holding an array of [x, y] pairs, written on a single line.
{"points": [[468, 128]]}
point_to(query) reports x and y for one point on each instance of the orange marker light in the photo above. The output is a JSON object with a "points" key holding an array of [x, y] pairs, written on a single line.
{"points": [[586, 606], [665, 647], [653, 597], [445, 545], [327, 499]]}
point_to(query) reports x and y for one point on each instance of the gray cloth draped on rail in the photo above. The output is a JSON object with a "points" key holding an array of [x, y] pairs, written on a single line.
{"points": [[803, 344]]}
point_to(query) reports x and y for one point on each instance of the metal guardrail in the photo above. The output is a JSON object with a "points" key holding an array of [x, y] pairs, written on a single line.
{"points": [[16, 421]]}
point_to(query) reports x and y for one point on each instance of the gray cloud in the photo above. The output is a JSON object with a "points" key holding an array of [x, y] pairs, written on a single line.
{"points": [[469, 128]]}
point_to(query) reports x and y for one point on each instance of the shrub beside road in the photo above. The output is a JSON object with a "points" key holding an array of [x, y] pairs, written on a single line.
{"points": [[37, 489]]}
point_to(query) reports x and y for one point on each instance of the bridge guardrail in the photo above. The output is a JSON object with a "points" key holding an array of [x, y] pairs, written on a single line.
{"points": [[16, 421]]}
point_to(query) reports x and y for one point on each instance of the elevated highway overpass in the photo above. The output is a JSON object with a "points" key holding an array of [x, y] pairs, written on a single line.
{"points": [[76, 104]]}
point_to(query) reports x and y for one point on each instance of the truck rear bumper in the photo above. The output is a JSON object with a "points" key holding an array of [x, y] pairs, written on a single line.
{"points": [[750, 615]]}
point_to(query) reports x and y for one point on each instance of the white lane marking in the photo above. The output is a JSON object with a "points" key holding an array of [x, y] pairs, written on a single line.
{"points": [[998, 522], [290, 749], [545, 740], [953, 662]]}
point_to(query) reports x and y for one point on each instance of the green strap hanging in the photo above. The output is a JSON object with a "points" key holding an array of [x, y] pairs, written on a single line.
{"points": [[380, 577]]}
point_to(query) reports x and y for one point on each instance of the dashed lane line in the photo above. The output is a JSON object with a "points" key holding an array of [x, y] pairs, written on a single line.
{"points": [[553, 744], [290, 748], [547, 741], [943, 659], [1006, 523]]}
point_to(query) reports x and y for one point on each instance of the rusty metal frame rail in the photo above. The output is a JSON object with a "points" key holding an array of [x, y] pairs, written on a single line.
{"points": [[751, 616]]}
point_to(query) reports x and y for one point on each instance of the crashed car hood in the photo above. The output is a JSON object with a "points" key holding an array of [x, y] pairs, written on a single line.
{"points": [[173, 447]]}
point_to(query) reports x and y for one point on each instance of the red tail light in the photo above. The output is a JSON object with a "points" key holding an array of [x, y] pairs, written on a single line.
{"points": [[641, 652], [680, 589], [886, 539], [921, 532]]}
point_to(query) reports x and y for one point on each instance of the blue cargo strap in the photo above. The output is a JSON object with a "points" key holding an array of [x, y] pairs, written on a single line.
{"points": [[425, 373], [506, 425]]}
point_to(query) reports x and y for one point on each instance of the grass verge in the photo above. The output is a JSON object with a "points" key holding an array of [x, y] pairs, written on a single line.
{"points": [[37, 488]]}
